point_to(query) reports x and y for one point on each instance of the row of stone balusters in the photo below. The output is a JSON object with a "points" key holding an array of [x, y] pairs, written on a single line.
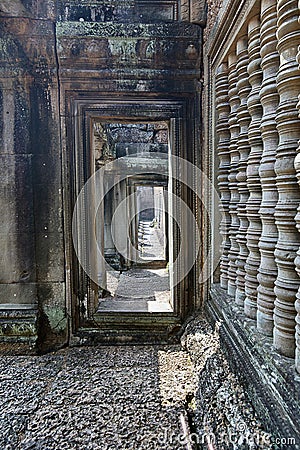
{"points": [[258, 127], [297, 260]]}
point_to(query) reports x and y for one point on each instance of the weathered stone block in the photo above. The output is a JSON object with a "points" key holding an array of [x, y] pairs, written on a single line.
{"points": [[131, 135], [17, 261], [14, 295], [17, 225], [50, 256], [102, 46], [52, 317], [28, 8]]}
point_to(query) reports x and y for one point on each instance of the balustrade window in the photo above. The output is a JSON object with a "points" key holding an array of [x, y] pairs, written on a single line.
{"points": [[257, 84]]}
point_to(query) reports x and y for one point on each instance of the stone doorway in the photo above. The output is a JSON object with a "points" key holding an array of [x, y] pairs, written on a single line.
{"points": [[133, 73], [153, 225], [95, 306], [135, 274]]}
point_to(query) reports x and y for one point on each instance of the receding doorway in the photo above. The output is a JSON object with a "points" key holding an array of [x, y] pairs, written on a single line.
{"points": [[100, 140], [152, 225], [136, 274]]}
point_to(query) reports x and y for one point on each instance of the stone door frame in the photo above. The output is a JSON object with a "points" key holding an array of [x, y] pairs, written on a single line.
{"points": [[82, 108]]}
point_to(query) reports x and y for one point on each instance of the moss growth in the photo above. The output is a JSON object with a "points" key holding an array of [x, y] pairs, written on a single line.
{"points": [[57, 318]]}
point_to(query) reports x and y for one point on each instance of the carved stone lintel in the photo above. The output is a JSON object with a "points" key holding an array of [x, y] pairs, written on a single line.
{"points": [[253, 180], [234, 160], [288, 125], [223, 110], [127, 30], [243, 119], [269, 100]]}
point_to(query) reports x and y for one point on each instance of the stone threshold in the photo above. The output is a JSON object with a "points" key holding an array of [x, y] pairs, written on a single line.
{"points": [[129, 328]]}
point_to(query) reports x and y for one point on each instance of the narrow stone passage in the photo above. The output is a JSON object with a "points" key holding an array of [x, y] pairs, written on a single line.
{"points": [[151, 241], [145, 288]]}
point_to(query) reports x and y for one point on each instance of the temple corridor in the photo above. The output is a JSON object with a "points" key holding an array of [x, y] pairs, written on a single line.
{"points": [[145, 288], [150, 224]]}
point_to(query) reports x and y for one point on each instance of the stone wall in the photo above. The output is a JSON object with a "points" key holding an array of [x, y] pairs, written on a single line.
{"points": [[32, 266], [127, 139], [56, 55]]}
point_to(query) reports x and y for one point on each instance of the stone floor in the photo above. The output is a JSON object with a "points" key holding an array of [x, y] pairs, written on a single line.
{"points": [[95, 398], [127, 397], [140, 290]]}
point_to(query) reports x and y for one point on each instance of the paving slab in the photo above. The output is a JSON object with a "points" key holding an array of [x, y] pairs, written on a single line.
{"points": [[94, 398]]}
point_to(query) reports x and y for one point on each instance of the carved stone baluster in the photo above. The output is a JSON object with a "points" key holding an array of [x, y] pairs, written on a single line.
{"points": [[269, 100], [223, 109], [297, 260], [243, 119], [234, 128], [288, 126], [253, 180]]}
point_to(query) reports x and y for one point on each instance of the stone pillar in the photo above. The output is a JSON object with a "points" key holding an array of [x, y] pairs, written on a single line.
{"points": [[109, 203], [32, 280], [253, 180], [18, 292], [234, 160], [100, 233], [288, 83], [297, 260], [269, 100], [120, 231], [133, 230], [223, 109], [243, 119]]}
